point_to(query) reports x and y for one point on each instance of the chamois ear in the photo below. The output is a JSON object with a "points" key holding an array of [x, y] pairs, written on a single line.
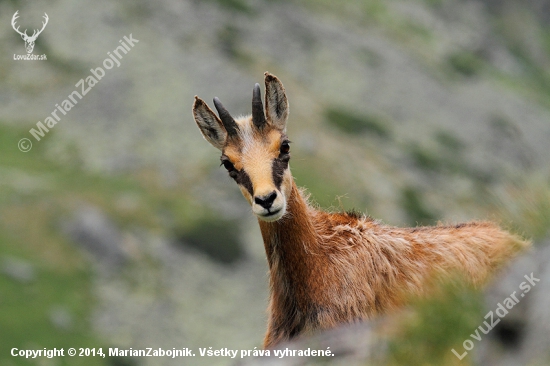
{"points": [[276, 104], [210, 125]]}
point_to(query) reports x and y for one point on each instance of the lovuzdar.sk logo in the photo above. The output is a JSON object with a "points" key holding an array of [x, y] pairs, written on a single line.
{"points": [[29, 40]]}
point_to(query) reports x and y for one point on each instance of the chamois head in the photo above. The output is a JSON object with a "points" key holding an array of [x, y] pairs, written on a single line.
{"points": [[255, 149]]}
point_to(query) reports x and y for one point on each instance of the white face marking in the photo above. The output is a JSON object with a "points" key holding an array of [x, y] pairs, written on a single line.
{"points": [[246, 133]]}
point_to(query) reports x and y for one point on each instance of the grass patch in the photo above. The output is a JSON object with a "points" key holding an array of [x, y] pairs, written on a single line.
{"points": [[229, 43], [416, 31], [435, 3], [504, 127], [30, 177], [325, 190], [437, 326], [525, 206], [533, 78], [449, 142], [370, 57], [362, 11], [215, 237], [415, 208], [352, 123], [36, 194], [28, 308], [425, 159], [238, 6], [445, 158], [465, 63]]}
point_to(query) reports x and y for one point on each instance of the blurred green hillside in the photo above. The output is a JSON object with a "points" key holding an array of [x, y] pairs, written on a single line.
{"points": [[119, 229]]}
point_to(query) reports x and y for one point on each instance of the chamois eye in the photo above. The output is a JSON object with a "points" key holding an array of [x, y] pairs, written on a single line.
{"points": [[285, 148], [228, 165]]}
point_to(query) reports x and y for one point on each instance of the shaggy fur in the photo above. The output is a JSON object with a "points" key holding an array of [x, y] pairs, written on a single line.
{"points": [[331, 268]]}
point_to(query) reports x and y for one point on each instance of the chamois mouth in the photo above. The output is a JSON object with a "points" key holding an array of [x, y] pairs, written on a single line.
{"points": [[271, 215]]}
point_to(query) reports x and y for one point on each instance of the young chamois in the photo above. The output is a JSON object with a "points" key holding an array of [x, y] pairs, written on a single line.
{"points": [[331, 268]]}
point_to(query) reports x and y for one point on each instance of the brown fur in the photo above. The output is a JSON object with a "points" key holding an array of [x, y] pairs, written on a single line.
{"points": [[331, 268]]}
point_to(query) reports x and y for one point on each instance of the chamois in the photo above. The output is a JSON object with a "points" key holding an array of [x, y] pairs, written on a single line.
{"points": [[327, 268]]}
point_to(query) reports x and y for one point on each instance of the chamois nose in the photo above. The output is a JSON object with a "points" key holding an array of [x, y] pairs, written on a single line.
{"points": [[267, 200]]}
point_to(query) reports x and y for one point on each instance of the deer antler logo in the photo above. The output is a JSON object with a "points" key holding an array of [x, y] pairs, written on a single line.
{"points": [[29, 41]]}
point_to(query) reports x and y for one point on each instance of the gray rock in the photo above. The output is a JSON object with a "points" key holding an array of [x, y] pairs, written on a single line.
{"points": [[350, 345], [97, 234], [522, 336], [61, 317], [17, 269]]}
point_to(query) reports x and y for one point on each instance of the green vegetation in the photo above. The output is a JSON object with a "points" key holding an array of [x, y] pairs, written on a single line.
{"points": [[58, 280], [425, 159], [535, 215], [215, 237], [370, 57], [27, 308], [229, 41], [414, 31], [356, 124], [444, 158], [415, 208], [525, 206], [465, 63], [434, 3], [532, 77], [326, 190], [238, 6], [504, 127], [359, 10], [36, 194], [437, 326], [449, 142]]}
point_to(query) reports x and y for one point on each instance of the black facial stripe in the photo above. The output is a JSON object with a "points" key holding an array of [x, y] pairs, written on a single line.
{"points": [[278, 169], [243, 179]]}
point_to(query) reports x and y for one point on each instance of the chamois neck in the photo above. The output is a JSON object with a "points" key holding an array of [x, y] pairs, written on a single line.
{"points": [[295, 230]]}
